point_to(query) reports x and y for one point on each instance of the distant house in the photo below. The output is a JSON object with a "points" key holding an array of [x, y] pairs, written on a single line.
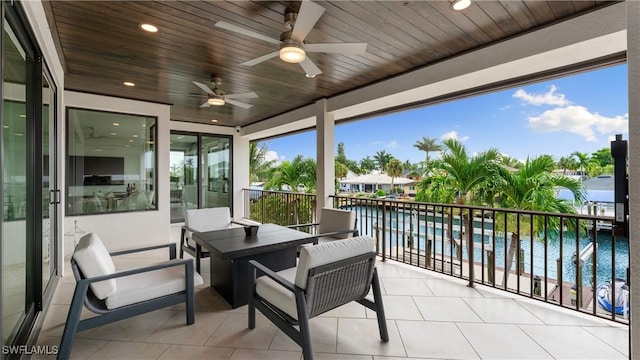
{"points": [[377, 181]]}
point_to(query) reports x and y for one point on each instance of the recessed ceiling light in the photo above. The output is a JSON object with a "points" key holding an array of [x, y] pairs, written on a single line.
{"points": [[134, 135], [214, 120], [113, 134], [5, 126], [130, 140], [116, 124], [18, 134], [309, 76], [129, 83], [149, 28], [460, 4], [97, 150], [23, 115]]}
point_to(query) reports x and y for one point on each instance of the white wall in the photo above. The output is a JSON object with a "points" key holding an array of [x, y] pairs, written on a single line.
{"points": [[131, 229]]}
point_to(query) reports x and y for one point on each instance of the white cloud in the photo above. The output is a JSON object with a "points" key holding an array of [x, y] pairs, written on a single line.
{"points": [[392, 145], [453, 135], [273, 155], [548, 98], [578, 120]]}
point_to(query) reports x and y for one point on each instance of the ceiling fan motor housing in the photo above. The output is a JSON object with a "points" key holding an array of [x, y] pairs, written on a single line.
{"points": [[290, 18]]}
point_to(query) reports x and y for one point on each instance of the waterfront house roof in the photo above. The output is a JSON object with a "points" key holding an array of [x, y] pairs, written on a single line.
{"points": [[378, 179]]}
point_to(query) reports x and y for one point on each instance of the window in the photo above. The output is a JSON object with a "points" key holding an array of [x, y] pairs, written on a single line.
{"points": [[111, 162]]}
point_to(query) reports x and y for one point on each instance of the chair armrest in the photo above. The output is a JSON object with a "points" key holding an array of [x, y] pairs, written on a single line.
{"points": [[171, 246], [333, 233], [186, 228], [301, 225], [268, 272], [164, 265], [246, 222]]}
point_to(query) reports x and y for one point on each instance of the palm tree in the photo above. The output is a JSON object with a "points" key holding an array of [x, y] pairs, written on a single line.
{"points": [[293, 173], [566, 163], [583, 161], [367, 164], [533, 187], [465, 173], [394, 169], [427, 145], [510, 162], [382, 158], [258, 165]]}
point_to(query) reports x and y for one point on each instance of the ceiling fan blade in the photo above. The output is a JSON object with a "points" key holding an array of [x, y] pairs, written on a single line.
{"points": [[260, 59], [203, 87], [246, 95], [240, 30], [310, 68], [206, 104], [238, 103], [308, 16], [340, 48]]}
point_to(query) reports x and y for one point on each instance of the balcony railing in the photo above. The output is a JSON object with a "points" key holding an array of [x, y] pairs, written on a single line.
{"points": [[573, 261]]}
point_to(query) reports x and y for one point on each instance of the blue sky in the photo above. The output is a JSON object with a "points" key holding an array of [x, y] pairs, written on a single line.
{"points": [[557, 117]]}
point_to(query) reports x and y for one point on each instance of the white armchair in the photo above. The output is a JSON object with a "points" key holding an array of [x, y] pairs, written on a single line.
{"points": [[199, 220], [116, 295]]}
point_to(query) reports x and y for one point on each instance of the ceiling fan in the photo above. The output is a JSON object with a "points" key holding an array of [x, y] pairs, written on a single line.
{"points": [[292, 46], [217, 97]]}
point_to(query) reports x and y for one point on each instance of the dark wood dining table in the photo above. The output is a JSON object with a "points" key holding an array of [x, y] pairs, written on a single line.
{"points": [[231, 249]]}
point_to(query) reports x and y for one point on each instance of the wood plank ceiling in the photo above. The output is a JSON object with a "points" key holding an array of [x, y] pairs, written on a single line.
{"points": [[101, 46]]}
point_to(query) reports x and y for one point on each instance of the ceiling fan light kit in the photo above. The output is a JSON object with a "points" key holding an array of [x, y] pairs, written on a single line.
{"points": [[215, 100], [460, 4], [292, 52]]}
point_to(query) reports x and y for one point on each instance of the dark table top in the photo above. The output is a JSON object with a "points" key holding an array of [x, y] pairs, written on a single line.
{"points": [[234, 243]]}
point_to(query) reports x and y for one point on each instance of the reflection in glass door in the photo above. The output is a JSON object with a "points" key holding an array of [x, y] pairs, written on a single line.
{"points": [[216, 171], [49, 195], [183, 170], [15, 302], [200, 172]]}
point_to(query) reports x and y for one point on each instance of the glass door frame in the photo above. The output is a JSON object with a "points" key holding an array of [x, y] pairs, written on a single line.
{"points": [[200, 171], [35, 70]]}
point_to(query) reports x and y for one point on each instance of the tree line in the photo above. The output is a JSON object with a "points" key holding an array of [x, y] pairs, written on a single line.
{"points": [[301, 171]]}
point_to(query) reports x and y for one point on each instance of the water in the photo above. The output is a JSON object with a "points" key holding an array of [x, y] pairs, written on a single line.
{"points": [[605, 269]]}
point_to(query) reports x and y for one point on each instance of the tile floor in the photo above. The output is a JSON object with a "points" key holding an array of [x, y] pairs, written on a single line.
{"points": [[429, 316]]}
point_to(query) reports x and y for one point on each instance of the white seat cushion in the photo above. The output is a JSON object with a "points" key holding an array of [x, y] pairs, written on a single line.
{"points": [[332, 220], [149, 285], [94, 259], [276, 294]]}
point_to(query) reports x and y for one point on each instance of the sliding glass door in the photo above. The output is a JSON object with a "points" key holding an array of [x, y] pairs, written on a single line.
{"points": [[16, 302], [30, 197], [200, 172]]}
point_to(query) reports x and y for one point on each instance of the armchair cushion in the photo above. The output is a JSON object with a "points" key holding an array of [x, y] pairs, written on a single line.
{"points": [[276, 294], [149, 285], [325, 253], [311, 256], [335, 220], [94, 260], [208, 219]]}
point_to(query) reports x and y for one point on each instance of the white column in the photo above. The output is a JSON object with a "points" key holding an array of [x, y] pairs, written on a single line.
{"points": [[633, 63], [325, 144], [240, 173]]}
